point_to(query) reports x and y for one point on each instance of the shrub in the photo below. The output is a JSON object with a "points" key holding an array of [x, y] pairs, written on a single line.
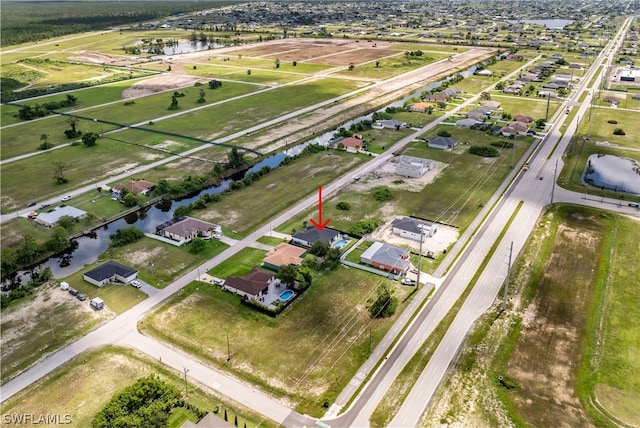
{"points": [[487, 152], [381, 193], [343, 206], [618, 131], [444, 133], [612, 121], [361, 228], [126, 235]]}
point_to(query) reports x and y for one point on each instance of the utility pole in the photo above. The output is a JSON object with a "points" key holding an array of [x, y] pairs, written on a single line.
{"points": [[553, 183], [506, 284], [419, 256], [186, 385], [546, 117], [369, 337], [228, 349]]}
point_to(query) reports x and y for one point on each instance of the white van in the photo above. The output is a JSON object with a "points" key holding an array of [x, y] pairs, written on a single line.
{"points": [[64, 286]]}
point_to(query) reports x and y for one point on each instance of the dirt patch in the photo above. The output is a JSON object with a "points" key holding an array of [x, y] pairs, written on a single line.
{"points": [[35, 328], [162, 83]]}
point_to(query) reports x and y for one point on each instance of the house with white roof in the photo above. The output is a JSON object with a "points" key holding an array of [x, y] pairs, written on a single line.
{"points": [[50, 219]]}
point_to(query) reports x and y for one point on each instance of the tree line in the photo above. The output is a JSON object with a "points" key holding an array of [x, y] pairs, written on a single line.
{"points": [[24, 22]]}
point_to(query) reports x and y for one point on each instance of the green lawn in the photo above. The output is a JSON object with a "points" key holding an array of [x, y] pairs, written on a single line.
{"points": [[97, 375], [324, 327], [240, 264], [527, 106], [257, 76], [250, 111]]}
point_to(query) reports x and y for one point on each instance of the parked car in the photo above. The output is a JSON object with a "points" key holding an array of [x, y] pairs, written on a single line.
{"points": [[414, 270], [81, 297], [73, 291], [407, 281], [43, 206], [136, 283], [31, 204], [66, 198], [32, 215], [634, 205]]}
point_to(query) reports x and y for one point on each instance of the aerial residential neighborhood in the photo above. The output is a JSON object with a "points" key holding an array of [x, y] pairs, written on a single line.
{"points": [[336, 214]]}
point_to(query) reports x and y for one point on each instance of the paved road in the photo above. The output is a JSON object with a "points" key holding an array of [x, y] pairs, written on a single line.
{"points": [[534, 194]]}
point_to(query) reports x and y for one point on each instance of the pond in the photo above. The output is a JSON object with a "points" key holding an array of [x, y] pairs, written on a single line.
{"points": [[612, 173]]}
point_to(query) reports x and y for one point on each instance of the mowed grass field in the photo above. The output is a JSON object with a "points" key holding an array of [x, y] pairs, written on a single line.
{"points": [[245, 209], [97, 375], [25, 138], [326, 328], [465, 182]]}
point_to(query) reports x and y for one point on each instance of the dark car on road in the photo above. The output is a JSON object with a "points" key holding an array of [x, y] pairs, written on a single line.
{"points": [[73, 291], [31, 204], [81, 297]]}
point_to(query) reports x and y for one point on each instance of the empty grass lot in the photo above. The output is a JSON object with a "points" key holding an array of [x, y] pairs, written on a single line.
{"points": [[390, 67], [325, 327], [240, 264], [470, 178], [97, 375], [158, 263], [269, 76], [278, 190], [532, 106], [251, 111], [31, 331]]}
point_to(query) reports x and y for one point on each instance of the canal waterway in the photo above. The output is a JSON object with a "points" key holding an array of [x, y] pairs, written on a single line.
{"points": [[87, 249]]}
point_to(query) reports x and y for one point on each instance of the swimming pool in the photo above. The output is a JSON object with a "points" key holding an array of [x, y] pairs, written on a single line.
{"points": [[285, 295], [341, 243]]}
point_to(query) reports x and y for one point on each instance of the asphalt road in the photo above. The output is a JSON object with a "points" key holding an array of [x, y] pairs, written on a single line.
{"points": [[534, 194]]}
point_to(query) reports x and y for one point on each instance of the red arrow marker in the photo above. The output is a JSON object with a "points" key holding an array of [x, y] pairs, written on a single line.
{"points": [[319, 224]]}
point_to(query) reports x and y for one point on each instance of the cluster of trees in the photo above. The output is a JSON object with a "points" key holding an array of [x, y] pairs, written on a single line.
{"points": [[381, 193], [363, 227], [328, 257], [484, 151], [214, 84], [385, 304], [126, 235], [148, 402], [503, 144], [29, 251], [359, 127], [29, 112], [37, 279], [45, 21]]}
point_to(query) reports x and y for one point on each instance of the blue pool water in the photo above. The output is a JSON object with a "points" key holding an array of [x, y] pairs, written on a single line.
{"points": [[341, 243], [285, 295]]}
